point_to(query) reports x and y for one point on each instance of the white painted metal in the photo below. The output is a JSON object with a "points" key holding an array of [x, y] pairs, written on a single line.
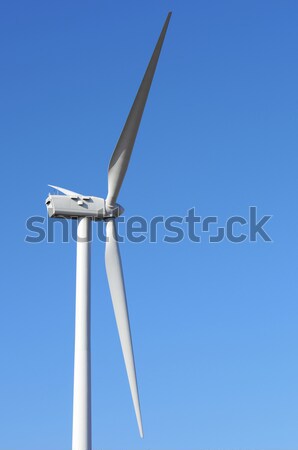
{"points": [[121, 156], [117, 289], [81, 429], [73, 206], [67, 206]]}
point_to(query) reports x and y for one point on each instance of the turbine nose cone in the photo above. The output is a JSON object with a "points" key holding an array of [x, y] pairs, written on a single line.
{"points": [[113, 211], [120, 209]]}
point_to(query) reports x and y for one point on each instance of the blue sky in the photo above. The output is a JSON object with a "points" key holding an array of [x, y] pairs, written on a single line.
{"points": [[214, 325]]}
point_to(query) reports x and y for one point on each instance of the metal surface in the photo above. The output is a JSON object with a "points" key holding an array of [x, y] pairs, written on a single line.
{"points": [[121, 156], [81, 429], [117, 289]]}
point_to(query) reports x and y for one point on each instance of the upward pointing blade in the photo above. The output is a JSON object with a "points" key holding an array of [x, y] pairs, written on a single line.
{"points": [[121, 156], [117, 289]]}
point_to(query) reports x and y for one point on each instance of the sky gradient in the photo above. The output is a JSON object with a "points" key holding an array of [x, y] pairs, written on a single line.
{"points": [[214, 325]]}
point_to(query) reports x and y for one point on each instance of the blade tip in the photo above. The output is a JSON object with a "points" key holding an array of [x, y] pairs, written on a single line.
{"points": [[140, 426], [168, 17]]}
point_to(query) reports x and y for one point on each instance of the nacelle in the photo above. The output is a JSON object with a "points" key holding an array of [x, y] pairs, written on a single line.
{"points": [[71, 207]]}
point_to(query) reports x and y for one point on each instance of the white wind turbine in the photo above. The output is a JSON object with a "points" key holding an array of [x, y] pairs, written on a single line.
{"points": [[86, 208]]}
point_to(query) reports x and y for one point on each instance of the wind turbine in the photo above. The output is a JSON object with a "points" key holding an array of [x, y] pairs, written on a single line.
{"points": [[87, 208]]}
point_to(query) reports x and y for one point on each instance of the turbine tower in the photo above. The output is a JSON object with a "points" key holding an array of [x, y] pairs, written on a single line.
{"points": [[87, 208]]}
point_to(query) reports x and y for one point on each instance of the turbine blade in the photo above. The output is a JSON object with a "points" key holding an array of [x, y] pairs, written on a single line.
{"points": [[117, 290], [121, 156], [66, 191]]}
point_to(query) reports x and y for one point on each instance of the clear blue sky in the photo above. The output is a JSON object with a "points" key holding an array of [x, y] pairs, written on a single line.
{"points": [[214, 325]]}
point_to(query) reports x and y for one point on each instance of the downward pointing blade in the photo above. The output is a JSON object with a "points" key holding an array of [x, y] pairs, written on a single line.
{"points": [[121, 156], [117, 289]]}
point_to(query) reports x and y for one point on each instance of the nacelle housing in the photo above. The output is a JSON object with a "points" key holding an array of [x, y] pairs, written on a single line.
{"points": [[71, 207]]}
